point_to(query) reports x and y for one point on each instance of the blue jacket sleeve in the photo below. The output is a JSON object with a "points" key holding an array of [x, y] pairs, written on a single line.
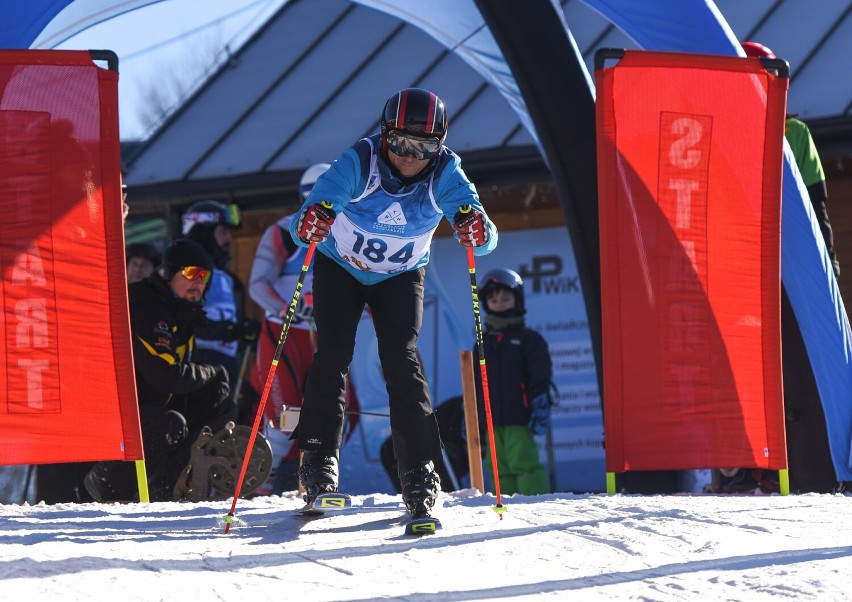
{"points": [[453, 190]]}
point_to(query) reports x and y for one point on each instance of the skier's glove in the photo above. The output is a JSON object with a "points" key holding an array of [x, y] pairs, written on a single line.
{"points": [[231, 333], [250, 330], [315, 222], [247, 331], [470, 227], [539, 414], [218, 388]]}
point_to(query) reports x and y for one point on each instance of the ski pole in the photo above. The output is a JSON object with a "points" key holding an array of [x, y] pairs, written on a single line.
{"points": [[354, 413], [243, 367], [285, 328], [486, 397]]}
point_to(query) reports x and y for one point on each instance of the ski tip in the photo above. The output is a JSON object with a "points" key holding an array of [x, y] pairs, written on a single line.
{"points": [[327, 502], [309, 510], [333, 501], [422, 526]]}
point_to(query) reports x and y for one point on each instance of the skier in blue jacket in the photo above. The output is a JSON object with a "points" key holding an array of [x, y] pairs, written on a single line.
{"points": [[372, 216]]}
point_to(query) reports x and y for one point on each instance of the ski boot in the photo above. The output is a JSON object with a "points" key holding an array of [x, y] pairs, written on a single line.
{"points": [[420, 487], [318, 473], [216, 461]]}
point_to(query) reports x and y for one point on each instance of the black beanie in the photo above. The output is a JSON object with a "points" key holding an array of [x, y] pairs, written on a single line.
{"points": [[184, 252]]}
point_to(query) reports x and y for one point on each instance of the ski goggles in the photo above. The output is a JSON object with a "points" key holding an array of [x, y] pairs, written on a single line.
{"points": [[229, 215], [404, 144], [193, 272]]}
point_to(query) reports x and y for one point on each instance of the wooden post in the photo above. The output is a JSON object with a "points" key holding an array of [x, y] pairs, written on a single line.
{"points": [[471, 421]]}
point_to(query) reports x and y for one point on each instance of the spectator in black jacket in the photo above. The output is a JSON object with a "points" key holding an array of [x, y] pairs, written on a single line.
{"points": [[177, 397], [227, 335], [520, 371]]}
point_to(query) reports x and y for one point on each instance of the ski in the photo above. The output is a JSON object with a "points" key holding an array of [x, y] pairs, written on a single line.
{"points": [[327, 502], [422, 526], [340, 502]]}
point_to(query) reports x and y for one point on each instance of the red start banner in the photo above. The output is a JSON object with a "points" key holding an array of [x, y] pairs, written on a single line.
{"points": [[689, 172], [67, 389]]}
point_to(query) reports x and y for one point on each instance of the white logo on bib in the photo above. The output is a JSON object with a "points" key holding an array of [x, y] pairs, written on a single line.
{"points": [[393, 216]]}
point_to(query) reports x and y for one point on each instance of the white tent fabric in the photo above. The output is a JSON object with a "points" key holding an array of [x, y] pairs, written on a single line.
{"points": [[82, 14], [460, 28], [458, 25], [47, 23]]}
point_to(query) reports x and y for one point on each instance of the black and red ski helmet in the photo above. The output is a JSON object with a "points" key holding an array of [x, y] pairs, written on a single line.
{"points": [[414, 111]]}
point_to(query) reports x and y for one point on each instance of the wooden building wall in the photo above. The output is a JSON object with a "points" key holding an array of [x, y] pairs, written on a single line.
{"points": [[536, 206]]}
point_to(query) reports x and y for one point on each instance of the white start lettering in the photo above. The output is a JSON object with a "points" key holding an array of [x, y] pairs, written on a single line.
{"points": [[684, 163], [33, 351]]}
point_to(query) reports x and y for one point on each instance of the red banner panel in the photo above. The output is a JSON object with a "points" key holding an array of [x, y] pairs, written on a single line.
{"points": [[689, 173], [67, 389]]}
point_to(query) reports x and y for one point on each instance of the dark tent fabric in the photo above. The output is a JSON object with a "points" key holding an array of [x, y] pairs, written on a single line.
{"points": [[559, 101]]}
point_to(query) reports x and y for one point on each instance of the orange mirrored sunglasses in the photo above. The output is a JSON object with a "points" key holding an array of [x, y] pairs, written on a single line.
{"points": [[193, 272]]}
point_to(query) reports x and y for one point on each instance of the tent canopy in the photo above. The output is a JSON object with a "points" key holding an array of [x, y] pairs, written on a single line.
{"points": [[272, 110], [318, 72]]}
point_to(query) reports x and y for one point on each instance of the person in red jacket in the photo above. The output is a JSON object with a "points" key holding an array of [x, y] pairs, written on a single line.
{"points": [[275, 271]]}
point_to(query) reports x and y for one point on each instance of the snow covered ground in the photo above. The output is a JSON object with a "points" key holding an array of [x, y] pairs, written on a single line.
{"points": [[558, 546]]}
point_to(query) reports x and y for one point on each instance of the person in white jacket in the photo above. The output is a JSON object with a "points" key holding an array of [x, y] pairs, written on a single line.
{"points": [[274, 273]]}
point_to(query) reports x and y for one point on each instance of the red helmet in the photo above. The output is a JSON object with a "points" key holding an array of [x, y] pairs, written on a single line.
{"points": [[755, 50], [419, 115]]}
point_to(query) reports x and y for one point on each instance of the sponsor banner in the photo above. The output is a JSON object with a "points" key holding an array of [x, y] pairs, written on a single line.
{"points": [[555, 308]]}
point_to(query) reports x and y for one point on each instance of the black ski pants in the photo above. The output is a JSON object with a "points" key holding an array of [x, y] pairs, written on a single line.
{"points": [[396, 305]]}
